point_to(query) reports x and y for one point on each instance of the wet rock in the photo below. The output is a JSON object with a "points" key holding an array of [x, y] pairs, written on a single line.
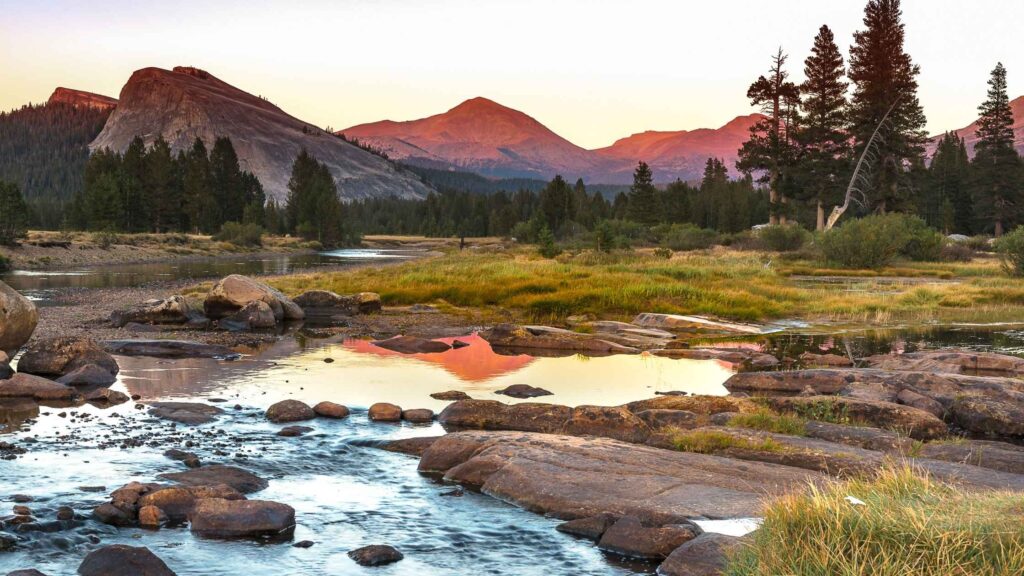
{"points": [[629, 537], [168, 349], [325, 303], [176, 502], [606, 421], [951, 361], [330, 410], [523, 391], [61, 355], [29, 572], [5, 366], [825, 360], [235, 291], [110, 514], [171, 310], [494, 415], [910, 398], [293, 431], [106, 396], [591, 527], [219, 518], [988, 416], [736, 356], [546, 338], [457, 344], [705, 555], [375, 555], [185, 412], [410, 446], [661, 418], [451, 395], [214, 474], [152, 517], [913, 422], [21, 510], [65, 513], [18, 319], [188, 458], [88, 375], [412, 345], [418, 415], [253, 316], [692, 324], [384, 412], [303, 544], [573, 477], [22, 498], [7, 542], [290, 411], [23, 385], [121, 560]]}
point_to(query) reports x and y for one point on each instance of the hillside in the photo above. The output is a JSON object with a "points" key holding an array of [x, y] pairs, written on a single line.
{"points": [[970, 133], [82, 98], [186, 103]]}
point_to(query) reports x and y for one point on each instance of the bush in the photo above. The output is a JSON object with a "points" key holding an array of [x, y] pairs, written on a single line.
{"points": [[5, 264], [922, 244], [546, 244], [240, 234], [105, 239], [683, 237], [954, 252], [875, 241], [783, 238], [663, 253], [1011, 251]]}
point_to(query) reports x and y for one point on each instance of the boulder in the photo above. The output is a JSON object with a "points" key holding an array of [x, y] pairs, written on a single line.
{"points": [[330, 410], [412, 345], [18, 319], [375, 555], [88, 375], [591, 528], [106, 396], [908, 397], [216, 474], [253, 316], [692, 324], [185, 412], [418, 415], [523, 391], [450, 395], [220, 518], [411, 446], [290, 411], [825, 360], [384, 412], [233, 292], [121, 560], [629, 537], [151, 517], [61, 355], [22, 385], [988, 416], [112, 515], [168, 349], [951, 361], [545, 338], [494, 415], [913, 422], [325, 303], [175, 501], [705, 555], [171, 310], [608, 422], [661, 418]]}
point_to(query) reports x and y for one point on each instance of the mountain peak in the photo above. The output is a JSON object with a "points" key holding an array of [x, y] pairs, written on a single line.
{"points": [[82, 98]]}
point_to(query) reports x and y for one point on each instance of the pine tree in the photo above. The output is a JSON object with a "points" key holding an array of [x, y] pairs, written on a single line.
{"points": [[771, 147], [885, 77], [643, 201], [134, 206], [823, 139], [162, 188], [556, 204], [997, 166], [200, 206], [946, 201], [313, 208], [13, 213], [226, 180]]}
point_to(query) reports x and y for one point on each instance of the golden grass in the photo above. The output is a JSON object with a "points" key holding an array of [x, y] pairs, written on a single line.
{"points": [[909, 525], [729, 284], [770, 421], [714, 442]]}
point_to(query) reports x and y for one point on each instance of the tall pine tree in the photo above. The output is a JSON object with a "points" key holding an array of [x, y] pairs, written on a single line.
{"points": [[997, 166], [643, 200], [946, 201]]}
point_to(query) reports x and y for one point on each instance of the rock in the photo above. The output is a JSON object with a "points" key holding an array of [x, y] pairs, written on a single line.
{"points": [[523, 391], [451, 395], [233, 292], [418, 415], [412, 345], [571, 477], [220, 518], [28, 572], [61, 355], [326, 303], [913, 422], [384, 412], [175, 501], [121, 560], [185, 412], [293, 431], [735, 356], [188, 458], [705, 555], [18, 319], [330, 410], [493, 415], [168, 349], [23, 385], [951, 361], [106, 396], [172, 310], [253, 316], [214, 474], [112, 515], [608, 422], [988, 416], [661, 418], [290, 411], [860, 436], [986, 454], [411, 446], [303, 544], [5, 366], [825, 360], [908, 397], [629, 537], [591, 527], [375, 555], [513, 337], [151, 517], [700, 405], [795, 381], [456, 344], [692, 324], [88, 375]]}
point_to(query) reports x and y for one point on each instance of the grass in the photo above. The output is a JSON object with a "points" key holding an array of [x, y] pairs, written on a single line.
{"points": [[768, 420], [714, 442], [730, 284], [909, 525]]}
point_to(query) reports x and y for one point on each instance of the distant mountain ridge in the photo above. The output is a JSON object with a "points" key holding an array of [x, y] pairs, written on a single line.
{"points": [[187, 103], [970, 133], [82, 98], [485, 137]]}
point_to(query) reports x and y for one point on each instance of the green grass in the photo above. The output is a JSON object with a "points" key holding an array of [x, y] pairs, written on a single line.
{"points": [[909, 525], [714, 442], [770, 421]]}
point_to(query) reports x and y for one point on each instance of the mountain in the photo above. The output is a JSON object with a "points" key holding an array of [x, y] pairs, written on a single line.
{"points": [[487, 138], [82, 98], [185, 103], [482, 136], [970, 133]]}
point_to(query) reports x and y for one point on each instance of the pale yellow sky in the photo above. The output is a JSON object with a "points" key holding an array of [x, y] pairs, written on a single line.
{"points": [[591, 70]]}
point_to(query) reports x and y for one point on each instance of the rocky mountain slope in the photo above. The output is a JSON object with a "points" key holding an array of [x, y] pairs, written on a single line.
{"points": [[970, 133], [185, 103], [82, 98]]}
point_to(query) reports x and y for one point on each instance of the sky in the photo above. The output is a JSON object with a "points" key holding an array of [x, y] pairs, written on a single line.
{"points": [[593, 71]]}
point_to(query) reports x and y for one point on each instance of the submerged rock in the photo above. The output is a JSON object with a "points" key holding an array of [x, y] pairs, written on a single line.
{"points": [[739, 356], [629, 537], [61, 355], [290, 411], [233, 292], [219, 518], [168, 349], [185, 412], [375, 555], [18, 319], [523, 391], [121, 560], [512, 336], [412, 345], [825, 360]]}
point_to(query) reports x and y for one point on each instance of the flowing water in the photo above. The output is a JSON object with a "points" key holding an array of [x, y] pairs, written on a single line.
{"points": [[347, 492]]}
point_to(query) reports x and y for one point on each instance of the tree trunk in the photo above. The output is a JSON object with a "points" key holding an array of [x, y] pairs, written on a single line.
{"points": [[773, 199], [821, 217], [999, 228]]}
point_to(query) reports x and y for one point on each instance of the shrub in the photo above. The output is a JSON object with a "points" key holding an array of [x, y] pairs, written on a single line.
{"points": [[1011, 251], [957, 253], [875, 241], [783, 238], [922, 244], [684, 237], [663, 253], [5, 264], [240, 234], [546, 244], [980, 243], [105, 239]]}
